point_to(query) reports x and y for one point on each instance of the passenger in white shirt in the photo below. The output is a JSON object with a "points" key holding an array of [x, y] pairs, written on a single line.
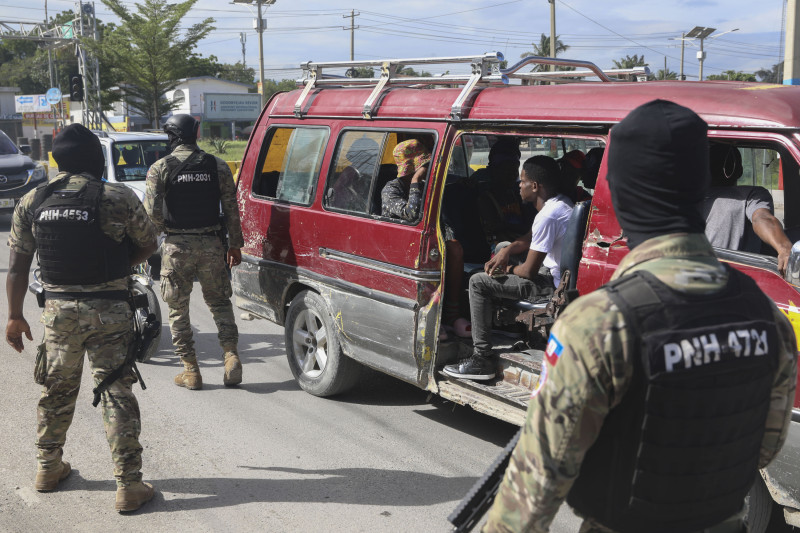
{"points": [[538, 276]]}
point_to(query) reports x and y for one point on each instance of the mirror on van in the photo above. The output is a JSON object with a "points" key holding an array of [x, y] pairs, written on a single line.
{"points": [[25, 149], [793, 268]]}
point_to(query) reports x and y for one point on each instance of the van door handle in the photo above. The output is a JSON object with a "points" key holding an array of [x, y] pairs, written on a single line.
{"points": [[434, 255]]}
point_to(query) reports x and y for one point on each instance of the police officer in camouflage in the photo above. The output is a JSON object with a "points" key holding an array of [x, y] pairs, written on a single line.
{"points": [[184, 191], [664, 391], [87, 234]]}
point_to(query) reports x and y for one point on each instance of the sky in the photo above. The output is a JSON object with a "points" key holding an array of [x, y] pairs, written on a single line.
{"points": [[599, 31]]}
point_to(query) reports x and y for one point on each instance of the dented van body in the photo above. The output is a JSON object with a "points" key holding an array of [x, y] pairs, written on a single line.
{"points": [[352, 285]]}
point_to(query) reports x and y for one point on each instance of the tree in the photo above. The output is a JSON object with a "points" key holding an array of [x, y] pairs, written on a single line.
{"points": [[148, 52], [668, 75], [411, 73], [210, 66], [271, 87], [773, 75], [543, 50], [733, 75], [360, 72], [630, 62]]}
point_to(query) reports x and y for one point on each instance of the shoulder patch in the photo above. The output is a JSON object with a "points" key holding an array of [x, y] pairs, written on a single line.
{"points": [[554, 349]]}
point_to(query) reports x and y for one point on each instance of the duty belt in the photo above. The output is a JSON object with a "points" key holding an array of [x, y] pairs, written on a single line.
{"points": [[85, 295]]}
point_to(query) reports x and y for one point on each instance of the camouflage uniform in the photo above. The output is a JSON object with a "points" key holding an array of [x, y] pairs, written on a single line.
{"points": [[593, 374], [184, 256], [99, 327]]}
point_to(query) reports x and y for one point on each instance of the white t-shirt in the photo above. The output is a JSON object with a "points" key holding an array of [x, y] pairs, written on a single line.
{"points": [[547, 233]]}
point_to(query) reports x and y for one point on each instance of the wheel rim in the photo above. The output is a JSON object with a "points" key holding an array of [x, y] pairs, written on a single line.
{"points": [[310, 340]]}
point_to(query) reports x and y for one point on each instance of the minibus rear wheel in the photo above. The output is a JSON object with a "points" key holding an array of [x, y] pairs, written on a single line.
{"points": [[313, 350]]}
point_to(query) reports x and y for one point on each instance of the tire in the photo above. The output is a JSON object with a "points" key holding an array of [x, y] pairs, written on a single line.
{"points": [[313, 350], [141, 315], [759, 506]]}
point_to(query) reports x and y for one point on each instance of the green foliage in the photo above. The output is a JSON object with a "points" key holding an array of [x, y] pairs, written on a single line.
{"points": [[218, 145], [772, 75], [150, 51], [668, 75], [733, 75], [630, 62], [360, 72], [234, 150], [411, 73], [271, 87], [210, 66]]}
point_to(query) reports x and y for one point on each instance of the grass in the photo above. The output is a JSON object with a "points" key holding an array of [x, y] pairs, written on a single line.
{"points": [[234, 150]]}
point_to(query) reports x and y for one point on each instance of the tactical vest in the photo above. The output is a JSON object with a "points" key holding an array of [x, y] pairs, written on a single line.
{"points": [[680, 452], [72, 248], [192, 192]]}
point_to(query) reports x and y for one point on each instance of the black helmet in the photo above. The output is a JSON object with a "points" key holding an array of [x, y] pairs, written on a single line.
{"points": [[184, 127]]}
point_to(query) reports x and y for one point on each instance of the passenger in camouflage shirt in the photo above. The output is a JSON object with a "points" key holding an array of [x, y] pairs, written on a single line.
{"points": [[77, 324], [589, 365], [402, 197]]}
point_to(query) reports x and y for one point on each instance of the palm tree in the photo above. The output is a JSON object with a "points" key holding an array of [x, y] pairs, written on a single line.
{"points": [[543, 50], [668, 75], [630, 62]]}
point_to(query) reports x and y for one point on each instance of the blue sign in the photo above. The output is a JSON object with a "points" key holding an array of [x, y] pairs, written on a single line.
{"points": [[53, 95]]}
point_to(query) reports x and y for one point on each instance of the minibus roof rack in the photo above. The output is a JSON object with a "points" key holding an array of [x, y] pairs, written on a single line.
{"points": [[485, 70]]}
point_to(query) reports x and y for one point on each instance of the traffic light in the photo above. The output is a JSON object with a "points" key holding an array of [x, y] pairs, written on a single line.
{"points": [[76, 88]]}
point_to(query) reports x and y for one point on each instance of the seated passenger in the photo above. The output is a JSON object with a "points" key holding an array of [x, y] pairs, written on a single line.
{"points": [[539, 275], [591, 168], [351, 188], [503, 216], [572, 167], [402, 198], [741, 218]]}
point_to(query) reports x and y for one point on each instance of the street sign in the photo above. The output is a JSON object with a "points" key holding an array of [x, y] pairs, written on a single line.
{"points": [[53, 96], [31, 103]]}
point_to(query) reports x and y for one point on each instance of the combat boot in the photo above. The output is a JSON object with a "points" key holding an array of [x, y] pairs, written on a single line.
{"points": [[134, 496], [48, 480], [190, 377], [233, 370]]}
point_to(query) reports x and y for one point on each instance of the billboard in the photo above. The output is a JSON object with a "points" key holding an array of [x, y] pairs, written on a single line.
{"points": [[241, 106]]}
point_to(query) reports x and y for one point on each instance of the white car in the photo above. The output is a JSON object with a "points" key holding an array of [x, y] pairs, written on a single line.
{"points": [[129, 155]]}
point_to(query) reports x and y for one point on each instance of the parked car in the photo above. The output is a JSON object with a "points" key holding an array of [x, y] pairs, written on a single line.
{"points": [[129, 155], [18, 173], [354, 288]]}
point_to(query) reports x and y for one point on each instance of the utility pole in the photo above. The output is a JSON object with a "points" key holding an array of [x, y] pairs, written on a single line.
{"points": [[552, 31], [243, 40], [683, 46], [791, 63], [49, 51], [352, 16], [261, 52]]}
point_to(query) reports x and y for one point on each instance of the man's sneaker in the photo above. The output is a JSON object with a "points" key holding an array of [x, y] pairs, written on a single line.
{"points": [[475, 367], [133, 496], [48, 480]]}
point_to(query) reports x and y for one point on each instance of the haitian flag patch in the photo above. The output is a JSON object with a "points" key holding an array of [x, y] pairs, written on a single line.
{"points": [[553, 351]]}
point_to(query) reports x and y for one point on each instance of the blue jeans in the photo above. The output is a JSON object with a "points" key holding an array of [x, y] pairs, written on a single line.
{"points": [[483, 289]]}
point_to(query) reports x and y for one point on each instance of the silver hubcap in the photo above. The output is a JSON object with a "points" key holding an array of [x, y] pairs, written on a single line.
{"points": [[310, 341]]}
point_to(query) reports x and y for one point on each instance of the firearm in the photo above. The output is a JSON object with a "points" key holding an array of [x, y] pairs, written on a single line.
{"points": [[223, 236], [143, 336], [481, 496]]}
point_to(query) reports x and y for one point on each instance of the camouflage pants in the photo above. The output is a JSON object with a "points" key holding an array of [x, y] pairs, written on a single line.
{"points": [[101, 329], [182, 258]]}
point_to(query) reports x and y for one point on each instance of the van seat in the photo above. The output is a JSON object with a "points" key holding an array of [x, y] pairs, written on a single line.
{"points": [[386, 173]]}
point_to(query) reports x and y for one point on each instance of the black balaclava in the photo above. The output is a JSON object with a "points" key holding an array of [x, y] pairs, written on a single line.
{"points": [[658, 171], [76, 150]]}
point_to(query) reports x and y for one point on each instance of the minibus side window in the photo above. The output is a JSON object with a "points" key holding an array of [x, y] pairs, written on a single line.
{"points": [[355, 167], [290, 163]]}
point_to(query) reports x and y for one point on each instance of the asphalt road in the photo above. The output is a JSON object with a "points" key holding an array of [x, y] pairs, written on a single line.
{"points": [[264, 456]]}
